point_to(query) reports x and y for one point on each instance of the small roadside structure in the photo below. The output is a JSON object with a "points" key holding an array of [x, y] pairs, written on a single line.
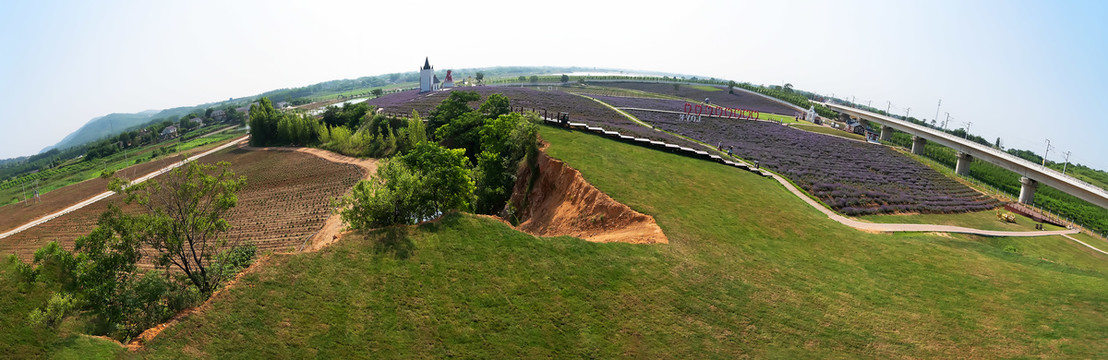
{"points": [[169, 132]]}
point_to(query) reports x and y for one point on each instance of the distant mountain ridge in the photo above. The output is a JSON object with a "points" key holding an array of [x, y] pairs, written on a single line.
{"points": [[115, 123]]}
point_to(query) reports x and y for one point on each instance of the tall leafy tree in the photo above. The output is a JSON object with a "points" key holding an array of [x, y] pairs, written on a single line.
{"points": [[185, 220], [451, 108]]}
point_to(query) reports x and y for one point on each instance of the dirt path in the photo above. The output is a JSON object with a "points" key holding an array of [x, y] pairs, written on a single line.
{"points": [[106, 194]]}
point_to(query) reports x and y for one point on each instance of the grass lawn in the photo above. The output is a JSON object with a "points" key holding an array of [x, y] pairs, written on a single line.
{"points": [[780, 118], [750, 271], [985, 220], [20, 340], [828, 131], [705, 87]]}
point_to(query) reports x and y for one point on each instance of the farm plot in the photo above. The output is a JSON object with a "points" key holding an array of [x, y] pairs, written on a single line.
{"points": [[738, 100], [582, 110], [15, 215], [287, 198], [851, 177]]}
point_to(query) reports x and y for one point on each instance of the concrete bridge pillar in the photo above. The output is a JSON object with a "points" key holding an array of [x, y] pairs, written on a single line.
{"points": [[886, 133], [917, 145], [964, 161], [1027, 190]]}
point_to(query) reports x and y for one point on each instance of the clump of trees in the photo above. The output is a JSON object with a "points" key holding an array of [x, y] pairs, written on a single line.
{"points": [[470, 166], [181, 229]]}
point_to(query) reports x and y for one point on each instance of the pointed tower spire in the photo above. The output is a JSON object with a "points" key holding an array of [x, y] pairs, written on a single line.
{"points": [[426, 63]]}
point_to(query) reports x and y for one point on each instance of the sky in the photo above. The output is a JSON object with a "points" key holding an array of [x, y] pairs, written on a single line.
{"points": [[1022, 71]]}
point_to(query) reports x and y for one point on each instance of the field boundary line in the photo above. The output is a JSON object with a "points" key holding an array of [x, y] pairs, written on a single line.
{"points": [[1086, 245], [106, 194]]}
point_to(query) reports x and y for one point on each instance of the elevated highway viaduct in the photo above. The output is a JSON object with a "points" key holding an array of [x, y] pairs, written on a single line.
{"points": [[1033, 174]]}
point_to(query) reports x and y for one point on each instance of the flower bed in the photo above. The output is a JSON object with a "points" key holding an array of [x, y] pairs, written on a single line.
{"points": [[852, 177]]}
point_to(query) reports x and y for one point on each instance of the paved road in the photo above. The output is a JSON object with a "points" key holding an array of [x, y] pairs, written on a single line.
{"points": [[107, 194]]}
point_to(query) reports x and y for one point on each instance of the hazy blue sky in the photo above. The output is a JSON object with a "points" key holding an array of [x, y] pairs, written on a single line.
{"points": [[1022, 71]]}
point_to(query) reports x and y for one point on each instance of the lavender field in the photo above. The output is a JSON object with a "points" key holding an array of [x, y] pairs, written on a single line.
{"points": [[581, 109], [738, 100], [851, 177]]}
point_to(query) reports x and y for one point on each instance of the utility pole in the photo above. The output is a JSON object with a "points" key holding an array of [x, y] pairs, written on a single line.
{"points": [[1067, 162], [889, 108], [947, 121], [968, 123], [869, 104], [1048, 147], [937, 111], [908, 113]]}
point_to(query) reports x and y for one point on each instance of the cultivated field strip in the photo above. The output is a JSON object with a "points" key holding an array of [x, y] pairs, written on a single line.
{"points": [[107, 194], [287, 198]]}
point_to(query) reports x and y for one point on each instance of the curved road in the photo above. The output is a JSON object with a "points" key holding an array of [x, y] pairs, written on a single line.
{"points": [[107, 194]]}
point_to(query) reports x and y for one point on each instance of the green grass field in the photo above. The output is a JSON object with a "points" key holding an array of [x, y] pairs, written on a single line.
{"points": [[705, 87], [829, 131], [19, 340], [750, 271]]}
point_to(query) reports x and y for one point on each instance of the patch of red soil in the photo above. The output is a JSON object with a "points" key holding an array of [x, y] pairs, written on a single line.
{"points": [[561, 202]]}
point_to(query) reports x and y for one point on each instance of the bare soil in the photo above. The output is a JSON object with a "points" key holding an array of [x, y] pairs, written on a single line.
{"points": [[561, 202]]}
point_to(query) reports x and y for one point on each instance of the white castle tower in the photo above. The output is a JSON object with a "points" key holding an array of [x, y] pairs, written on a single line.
{"points": [[425, 75]]}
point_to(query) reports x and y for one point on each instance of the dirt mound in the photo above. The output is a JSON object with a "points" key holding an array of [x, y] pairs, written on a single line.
{"points": [[561, 202]]}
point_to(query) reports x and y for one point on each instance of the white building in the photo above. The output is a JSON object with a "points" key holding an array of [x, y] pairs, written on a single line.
{"points": [[426, 77]]}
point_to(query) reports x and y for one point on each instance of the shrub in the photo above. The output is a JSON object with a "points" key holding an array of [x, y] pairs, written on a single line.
{"points": [[59, 305]]}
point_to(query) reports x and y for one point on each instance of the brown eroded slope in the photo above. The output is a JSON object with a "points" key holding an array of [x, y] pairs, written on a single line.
{"points": [[561, 202]]}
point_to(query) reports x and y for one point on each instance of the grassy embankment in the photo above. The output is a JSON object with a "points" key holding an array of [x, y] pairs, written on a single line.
{"points": [[76, 171], [750, 270], [828, 131], [18, 340]]}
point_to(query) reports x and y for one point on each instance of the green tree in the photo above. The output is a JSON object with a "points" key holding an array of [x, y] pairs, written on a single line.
{"points": [[534, 79], [447, 181], [416, 130], [480, 77], [522, 78], [456, 104], [263, 123], [184, 220], [788, 87], [496, 105], [389, 197], [565, 78], [731, 86], [377, 92], [505, 142], [420, 185]]}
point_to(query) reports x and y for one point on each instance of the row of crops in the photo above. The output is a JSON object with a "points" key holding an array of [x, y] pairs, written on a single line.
{"points": [[287, 198], [851, 177]]}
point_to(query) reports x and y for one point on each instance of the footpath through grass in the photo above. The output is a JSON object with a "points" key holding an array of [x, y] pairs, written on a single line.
{"points": [[984, 220]]}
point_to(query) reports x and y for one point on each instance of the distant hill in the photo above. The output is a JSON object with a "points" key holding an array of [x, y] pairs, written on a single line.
{"points": [[112, 124]]}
